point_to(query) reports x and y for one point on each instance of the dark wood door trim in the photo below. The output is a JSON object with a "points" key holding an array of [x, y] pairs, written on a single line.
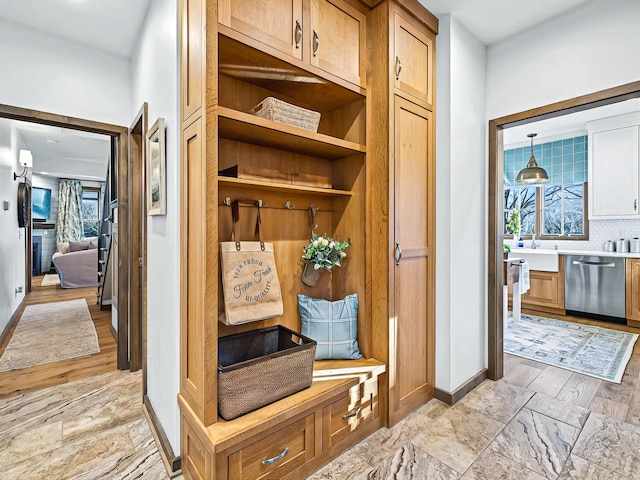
{"points": [[137, 247], [495, 195], [119, 134]]}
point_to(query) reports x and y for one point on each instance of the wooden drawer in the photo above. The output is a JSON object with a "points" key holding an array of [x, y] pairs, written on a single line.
{"points": [[355, 409], [275, 455]]}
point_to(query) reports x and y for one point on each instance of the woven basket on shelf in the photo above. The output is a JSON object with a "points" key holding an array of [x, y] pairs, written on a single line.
{"points": [[282, 112], [259, 367]]}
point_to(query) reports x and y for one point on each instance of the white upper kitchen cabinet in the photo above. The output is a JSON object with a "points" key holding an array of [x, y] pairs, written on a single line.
{"points": [[614, 178]]}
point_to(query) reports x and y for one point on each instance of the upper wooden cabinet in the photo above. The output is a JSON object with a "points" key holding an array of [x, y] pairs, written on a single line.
{"points": [[327, 34], [338, 40], [413, 62], [277, 23]]}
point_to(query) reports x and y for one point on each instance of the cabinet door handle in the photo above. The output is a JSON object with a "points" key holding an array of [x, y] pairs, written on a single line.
{"points": [[269, 461], [398, 253], [298, 33], [398, 67], [316, 43], [635, 204], [355, 413]]}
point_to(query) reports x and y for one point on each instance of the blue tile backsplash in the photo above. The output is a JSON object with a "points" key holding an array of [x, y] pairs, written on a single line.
{"points": [[564, 160]]}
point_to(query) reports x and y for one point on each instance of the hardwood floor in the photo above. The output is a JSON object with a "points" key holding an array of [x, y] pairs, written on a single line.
{"points": [[36, 378]]}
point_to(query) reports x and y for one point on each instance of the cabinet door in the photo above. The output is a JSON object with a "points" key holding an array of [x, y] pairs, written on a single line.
{"points": [[413, 60], [276, 23], [275, 455], [545, 290], [338, 40], [633, 289], [411, 379], [613, 173]]}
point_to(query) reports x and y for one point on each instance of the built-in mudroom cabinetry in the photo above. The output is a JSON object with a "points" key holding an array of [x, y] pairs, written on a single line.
{"points": [[366, 176]]}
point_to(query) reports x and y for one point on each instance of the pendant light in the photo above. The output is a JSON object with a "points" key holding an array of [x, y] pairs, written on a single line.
{"points": [[532, 173]]}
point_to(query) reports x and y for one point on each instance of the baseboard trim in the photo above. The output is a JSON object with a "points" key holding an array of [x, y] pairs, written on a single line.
{"points": [[114, 333], [457, 395], [13, 320], [171, 462]]}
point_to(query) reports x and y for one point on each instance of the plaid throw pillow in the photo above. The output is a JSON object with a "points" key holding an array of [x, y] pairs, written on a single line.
{"points": [[334, 325]]}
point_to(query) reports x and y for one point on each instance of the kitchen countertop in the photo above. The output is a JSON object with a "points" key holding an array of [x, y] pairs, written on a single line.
{"points": [[599, 253]]}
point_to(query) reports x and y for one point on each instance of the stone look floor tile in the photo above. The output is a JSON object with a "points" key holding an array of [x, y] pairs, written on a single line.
{"points": [[577, 468], [550, 381], [565, 412], [492, 465], [24, 444], [75, 458], [612, 444], [522, 375], [537, 442], [346, 466], [458, 436], [499, 400], [410, 463]]}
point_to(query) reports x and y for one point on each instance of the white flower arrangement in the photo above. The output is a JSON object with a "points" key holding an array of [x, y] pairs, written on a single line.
{"points": [[324, 252]]}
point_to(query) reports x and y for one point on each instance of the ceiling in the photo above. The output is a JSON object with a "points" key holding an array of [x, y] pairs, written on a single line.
{"points": [[65, 153], [494, 20], [108, 25]]}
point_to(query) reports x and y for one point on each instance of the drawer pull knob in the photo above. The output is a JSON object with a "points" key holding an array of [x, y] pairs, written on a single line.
{"points": [[353, 414], [269, 461]]}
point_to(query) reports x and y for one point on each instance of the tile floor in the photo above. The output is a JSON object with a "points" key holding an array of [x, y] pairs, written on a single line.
{"points": [[538, 422]]}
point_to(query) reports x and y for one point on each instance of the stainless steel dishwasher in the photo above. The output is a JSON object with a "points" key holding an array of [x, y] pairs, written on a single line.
{"points": [[595, 286]]}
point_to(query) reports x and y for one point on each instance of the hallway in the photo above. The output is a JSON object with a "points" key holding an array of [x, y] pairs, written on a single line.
{"points": [[35, 378]]}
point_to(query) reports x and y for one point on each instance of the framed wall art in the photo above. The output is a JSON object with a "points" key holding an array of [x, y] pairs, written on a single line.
{"points": [[156, 168]]}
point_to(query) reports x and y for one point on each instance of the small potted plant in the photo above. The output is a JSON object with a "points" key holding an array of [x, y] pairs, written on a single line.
{"points": [[514, 224], [322, 253]]}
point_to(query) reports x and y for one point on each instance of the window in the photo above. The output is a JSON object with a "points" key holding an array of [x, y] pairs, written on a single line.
{"points": [[90, 211], [555, 210]]}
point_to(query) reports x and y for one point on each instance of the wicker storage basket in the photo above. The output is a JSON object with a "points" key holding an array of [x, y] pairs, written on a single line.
{"points": [[258, 367], [282, 112]]}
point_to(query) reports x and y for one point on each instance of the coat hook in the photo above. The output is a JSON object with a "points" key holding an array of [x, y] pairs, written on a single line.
{"points": [[227, 201], [288, 205], [261, 204]]}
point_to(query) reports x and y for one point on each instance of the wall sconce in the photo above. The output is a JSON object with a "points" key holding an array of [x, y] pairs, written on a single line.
{"points": [[26, 160]]}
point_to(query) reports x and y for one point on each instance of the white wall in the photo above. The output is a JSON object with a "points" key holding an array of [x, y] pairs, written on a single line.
{"points": [[48, 73], [12, 238], [155, 80], [594, 47], [461, 205]]}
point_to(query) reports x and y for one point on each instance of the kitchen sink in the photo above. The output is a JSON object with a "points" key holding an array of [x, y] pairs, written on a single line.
{"points": [[538, 259]]}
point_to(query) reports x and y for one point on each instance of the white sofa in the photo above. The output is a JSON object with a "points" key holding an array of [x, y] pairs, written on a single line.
{"points": [[77, 268]]}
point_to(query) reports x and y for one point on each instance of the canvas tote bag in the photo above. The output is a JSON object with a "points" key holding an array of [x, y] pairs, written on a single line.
{"points": [[250, 282]]}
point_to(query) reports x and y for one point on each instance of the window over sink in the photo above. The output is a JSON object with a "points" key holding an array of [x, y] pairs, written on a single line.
{"points": [[555, 210]]}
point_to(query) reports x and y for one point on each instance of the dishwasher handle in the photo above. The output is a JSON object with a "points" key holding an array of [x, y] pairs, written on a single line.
{"points": [[593, 264]]}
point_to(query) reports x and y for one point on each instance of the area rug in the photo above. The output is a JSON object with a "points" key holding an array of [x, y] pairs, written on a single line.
{"points": [[51, 332], [595, 351], [50, 279]]}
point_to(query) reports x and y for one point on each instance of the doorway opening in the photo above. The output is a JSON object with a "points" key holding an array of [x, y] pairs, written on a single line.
{"points": [[496, 199]]}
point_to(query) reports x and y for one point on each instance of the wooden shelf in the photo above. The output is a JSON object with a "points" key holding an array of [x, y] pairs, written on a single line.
{"points": [[240, 60], [244, 127], [280, 187]]}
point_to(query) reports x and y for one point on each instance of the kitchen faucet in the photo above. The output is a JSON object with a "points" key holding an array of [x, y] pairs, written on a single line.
{"points": [[534, 244]]}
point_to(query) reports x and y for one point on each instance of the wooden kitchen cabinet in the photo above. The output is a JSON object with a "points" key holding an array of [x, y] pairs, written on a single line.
{"points": [[546, 290], [327, 34], [614, 172], [633, 292], [403, 209], [413, 61]]}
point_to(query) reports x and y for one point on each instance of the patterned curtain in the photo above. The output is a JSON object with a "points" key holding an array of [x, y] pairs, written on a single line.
{"points": [[70, 227]]}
